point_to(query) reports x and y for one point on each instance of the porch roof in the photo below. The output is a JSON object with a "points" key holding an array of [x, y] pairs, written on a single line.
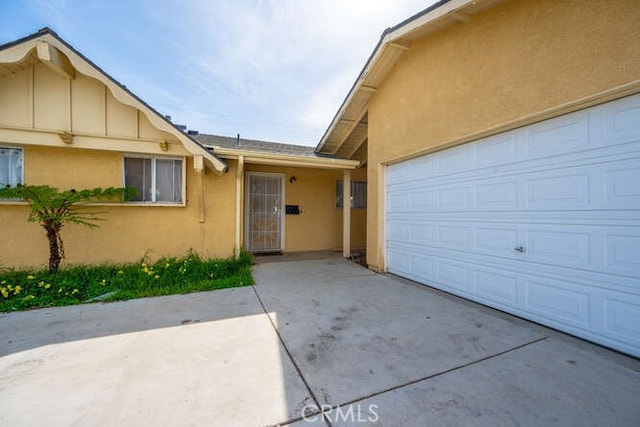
{"points": [[266, 152]]}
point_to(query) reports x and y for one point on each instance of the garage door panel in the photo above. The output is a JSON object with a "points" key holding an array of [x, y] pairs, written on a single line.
{"points": [[622, 253], [497, 151], [560, 192], [453, 160], [621, 320], [566, 191], [558, 301], [454, 198], [622, 120], [498, 287], [452, 236], [502, 195], [423, 234], [455, 274], [559, 247], [423, 266], [558, 136], [421, 201], [622, 187], [499, 241]]}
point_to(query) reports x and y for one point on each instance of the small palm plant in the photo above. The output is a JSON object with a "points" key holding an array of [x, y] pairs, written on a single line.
{"points": [[53, 209]]}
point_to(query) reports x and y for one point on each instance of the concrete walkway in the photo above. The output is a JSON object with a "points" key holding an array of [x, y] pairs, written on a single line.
{"points": [[316, 332]]}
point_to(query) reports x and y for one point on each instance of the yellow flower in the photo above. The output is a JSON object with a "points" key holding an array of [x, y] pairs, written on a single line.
{"points": [[59, 290], [29, 297], [167, 265], [75, 291], [144, 264], [156, 276], [30, 277], [4, 292], [17, 290], [3, 282], [47, 286], [120, 272], [41, 283]]}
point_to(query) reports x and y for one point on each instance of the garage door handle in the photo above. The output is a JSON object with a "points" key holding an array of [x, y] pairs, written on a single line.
{"points": [[520, 249]]}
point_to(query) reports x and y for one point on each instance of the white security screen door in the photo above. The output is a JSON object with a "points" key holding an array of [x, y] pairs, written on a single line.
{"points": [[264, 212]]}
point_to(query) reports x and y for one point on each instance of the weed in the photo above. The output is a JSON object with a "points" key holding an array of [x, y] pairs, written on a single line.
{"points": [[25, 289]]}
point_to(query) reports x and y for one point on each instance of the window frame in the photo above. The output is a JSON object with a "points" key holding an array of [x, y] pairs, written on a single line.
{"points": [[340, 202], [14, 147], [183, 190]]}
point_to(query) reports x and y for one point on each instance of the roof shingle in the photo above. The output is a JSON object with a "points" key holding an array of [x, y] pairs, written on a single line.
{"points": [[256, 145]]}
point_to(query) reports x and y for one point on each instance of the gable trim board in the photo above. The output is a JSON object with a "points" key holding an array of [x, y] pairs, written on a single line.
{"points": [[542, 222], [54, 51]]}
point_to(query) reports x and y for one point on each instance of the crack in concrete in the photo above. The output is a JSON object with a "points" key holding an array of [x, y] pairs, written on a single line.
{"points": [[428, 377], [295, 365]]}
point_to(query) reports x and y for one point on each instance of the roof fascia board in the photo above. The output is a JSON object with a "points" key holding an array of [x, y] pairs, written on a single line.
{"points": [[424, 18], [286, 160]]}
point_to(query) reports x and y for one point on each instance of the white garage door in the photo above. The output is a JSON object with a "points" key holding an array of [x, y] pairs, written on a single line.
{"points": [[542, 222]]}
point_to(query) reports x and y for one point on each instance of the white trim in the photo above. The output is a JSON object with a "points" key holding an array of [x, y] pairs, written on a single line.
{"points": [[382, 216], [153, 159], [282, 206]]}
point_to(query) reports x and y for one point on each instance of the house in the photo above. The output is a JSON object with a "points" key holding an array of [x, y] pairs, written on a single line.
{"points": [[497, 143], [65, 122], [503, 149]]}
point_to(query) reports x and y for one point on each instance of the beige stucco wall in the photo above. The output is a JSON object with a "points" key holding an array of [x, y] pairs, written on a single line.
{"points": [[129, 232], [507, 63], [35, 104], [319, 226]]}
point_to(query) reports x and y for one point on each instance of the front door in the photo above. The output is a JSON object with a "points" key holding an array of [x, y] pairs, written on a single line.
{"points": [[264, 206]]}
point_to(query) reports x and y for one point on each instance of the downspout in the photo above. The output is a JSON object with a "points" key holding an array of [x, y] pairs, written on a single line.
{"points": [[239, 182], [346, 214]]}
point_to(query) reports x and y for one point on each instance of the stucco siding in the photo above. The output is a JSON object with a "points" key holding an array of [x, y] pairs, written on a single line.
{"points": [[36, 104], [505, 64], [129, 232]]}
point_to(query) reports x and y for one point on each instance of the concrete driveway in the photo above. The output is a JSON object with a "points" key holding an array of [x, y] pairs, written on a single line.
{"points": [[316, 332]]}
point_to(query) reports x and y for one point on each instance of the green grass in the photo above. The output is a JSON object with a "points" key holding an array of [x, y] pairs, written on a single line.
{"points": [[25, 289]]}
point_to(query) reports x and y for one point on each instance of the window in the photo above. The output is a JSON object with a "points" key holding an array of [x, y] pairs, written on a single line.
{"points": [[358, 194], [156, 179], [10, 166]]}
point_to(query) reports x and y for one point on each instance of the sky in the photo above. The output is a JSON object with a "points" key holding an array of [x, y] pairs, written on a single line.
{"points": [[275, 70]]}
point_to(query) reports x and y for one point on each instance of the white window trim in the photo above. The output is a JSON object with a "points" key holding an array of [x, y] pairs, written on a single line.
{"points": [[183, 196], [16, 147]]}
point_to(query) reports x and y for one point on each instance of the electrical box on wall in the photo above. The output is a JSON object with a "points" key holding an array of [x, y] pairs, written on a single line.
{"points": [[292, 210]]}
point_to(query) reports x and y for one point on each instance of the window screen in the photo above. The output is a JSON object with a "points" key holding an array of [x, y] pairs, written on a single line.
{"points": [[155, 180], [10, 166], [358, 194]]}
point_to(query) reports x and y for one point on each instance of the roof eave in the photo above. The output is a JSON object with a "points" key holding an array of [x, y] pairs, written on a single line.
{"points": [[259, 157], [420, 21]]}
